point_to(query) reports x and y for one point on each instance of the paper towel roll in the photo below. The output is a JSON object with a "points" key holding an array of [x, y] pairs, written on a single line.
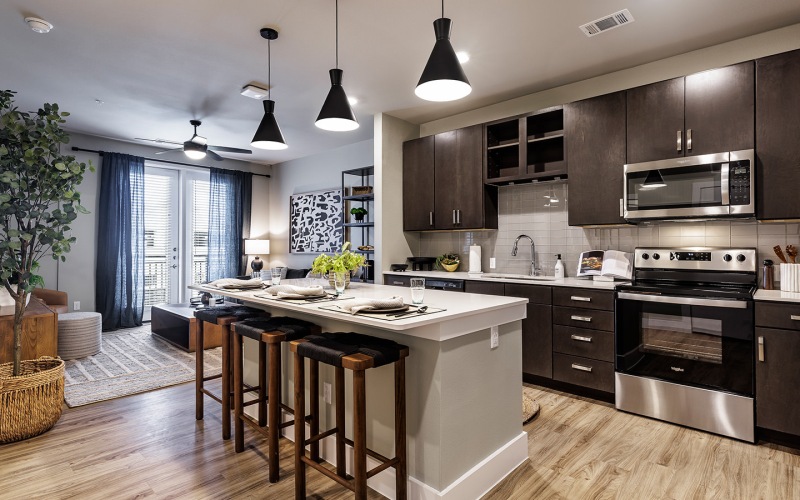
{"points": [[474, 258]]}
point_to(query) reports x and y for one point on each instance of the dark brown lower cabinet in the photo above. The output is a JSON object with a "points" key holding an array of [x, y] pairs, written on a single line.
{"points": [[537, 328], [777, 380]]}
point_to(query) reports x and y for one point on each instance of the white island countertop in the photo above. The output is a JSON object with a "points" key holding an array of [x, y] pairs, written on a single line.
{"points": [[463, 312]]}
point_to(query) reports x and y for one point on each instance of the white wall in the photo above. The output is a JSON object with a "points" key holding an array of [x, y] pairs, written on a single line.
{"points": [[76, 276], [304, 175]]}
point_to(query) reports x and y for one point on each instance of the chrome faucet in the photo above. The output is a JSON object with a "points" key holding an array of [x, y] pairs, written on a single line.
{"points": [[534, 270]]}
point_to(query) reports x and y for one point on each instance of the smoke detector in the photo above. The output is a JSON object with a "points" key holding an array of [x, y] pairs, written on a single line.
{"points": [[254, 92], [38, 25], [606, 23]]}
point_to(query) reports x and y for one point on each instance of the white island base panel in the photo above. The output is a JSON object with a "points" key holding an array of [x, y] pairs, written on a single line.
{"points": [[463, 398]]}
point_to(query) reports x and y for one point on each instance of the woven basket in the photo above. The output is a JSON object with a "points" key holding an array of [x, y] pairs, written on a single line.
{"points": [[31, 403]]}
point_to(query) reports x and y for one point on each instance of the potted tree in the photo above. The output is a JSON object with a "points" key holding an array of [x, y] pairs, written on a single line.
{"points": [[38, 201], [358, 213], [345, 262]]}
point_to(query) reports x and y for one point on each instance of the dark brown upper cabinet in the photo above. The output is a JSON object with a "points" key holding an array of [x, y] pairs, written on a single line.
{"points": [[418, 195], [594, 131], [526, 148], [443, 183], [777, 125], [708, 112]]}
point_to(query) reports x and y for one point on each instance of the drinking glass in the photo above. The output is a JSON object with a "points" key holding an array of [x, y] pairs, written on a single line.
{"points": [[339, 282], [417, 290], [276, 275]]}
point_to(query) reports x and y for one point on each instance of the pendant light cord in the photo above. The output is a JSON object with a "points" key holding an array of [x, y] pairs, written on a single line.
{"points": [[442, 8], [269, 69], [337, 33]]}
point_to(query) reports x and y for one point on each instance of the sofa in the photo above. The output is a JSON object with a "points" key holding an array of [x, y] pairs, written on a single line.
{"points": [[54, 299]]}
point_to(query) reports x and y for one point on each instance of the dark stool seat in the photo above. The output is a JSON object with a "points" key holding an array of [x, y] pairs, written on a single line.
{"points": [[269, 333], [358, 353], [221, 319]]}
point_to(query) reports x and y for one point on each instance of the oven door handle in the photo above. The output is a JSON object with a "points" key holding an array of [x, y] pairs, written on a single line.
{"points": [[689, 301]]}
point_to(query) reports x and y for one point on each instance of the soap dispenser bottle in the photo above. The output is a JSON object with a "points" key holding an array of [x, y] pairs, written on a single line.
{"points": [[559, 271]]}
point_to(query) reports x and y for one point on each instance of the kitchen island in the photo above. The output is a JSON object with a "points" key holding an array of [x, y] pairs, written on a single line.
{"points": [[463, 415]]}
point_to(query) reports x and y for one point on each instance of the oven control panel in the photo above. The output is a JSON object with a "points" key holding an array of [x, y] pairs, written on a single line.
{"points": [[705, 259]]}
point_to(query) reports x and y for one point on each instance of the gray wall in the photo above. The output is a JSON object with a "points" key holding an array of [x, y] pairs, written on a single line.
{"points": [[76, 276], [305, 175]]}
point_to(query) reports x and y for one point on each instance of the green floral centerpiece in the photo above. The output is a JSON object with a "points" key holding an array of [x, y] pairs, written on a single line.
{"points": [[346, 262], [448, 261]]}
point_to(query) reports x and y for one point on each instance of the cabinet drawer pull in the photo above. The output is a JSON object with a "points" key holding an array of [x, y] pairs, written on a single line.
{"points": [[587, 319], [679, 140], [580, 338], [583, 368], [430, 218], [398, 283], [688, 139], [581, 299], [794, 317], [761, 349], [458, 216]]}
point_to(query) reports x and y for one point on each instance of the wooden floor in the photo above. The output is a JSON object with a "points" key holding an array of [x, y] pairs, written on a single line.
{"points": [[580, 448], [150, 445]]}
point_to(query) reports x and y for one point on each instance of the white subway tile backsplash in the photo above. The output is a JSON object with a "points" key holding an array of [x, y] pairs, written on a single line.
{"points": [[523, 210]]}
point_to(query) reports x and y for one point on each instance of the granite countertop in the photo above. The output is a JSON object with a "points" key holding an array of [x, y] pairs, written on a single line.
{"points": [[564, 282]]}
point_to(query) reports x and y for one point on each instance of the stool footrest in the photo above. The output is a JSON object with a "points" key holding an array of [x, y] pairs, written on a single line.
{"points": [[290, 423], [373, 454], [212, 377], [330, 474], [213, 396], [321, 436], [382, 467]]}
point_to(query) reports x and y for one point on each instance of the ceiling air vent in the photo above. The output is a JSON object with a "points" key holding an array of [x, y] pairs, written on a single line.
{"points": [[607, 23]]}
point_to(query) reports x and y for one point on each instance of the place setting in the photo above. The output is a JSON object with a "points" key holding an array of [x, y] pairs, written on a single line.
{"points": [[388, 309], [299, 294]]}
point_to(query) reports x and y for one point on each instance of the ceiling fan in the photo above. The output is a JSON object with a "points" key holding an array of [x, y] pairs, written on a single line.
{"points": [[197, 147]]}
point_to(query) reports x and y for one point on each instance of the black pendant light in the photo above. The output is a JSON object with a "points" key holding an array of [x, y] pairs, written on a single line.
{"points": [[443, 79], [269, 135], [653, 180], [336, 114]]}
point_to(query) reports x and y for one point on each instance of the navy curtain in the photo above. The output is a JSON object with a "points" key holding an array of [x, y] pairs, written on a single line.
{"points": [[119, 287], [230, 191]]}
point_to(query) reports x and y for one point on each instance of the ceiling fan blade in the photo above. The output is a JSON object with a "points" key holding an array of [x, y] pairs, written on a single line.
{"points": [[158, 141], [214, 155], [169, 151], [231, 150]]}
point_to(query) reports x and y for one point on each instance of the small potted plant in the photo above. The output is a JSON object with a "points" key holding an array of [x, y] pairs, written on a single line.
{"points": [[448, 261], [345, 262], [359, 213]]}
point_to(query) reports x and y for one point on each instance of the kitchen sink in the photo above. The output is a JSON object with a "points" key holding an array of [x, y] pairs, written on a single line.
{"points": [[519, 277]]}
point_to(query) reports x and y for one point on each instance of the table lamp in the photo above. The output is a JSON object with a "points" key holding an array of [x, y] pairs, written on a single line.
{"points": [[256, 248]]}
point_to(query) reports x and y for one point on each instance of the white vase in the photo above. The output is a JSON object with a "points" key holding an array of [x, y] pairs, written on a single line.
{"points": [[7, 304]]}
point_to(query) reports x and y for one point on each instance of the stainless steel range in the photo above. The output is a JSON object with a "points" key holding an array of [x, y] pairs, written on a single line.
{"points": [[684, 338]]}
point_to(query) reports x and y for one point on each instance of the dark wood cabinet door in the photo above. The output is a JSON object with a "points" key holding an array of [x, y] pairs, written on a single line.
{"points": [[777, 380], [418, 184], [484, 287], [537, 341], [459, 179], [720, 110], [655, 118], [777, 125], [594, 130]]}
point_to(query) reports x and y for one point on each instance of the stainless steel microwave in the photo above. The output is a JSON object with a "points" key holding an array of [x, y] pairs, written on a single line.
{"points": [[694, 187]]}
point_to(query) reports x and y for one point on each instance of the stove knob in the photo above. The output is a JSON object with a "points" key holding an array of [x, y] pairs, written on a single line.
{"points": [[740, 257], [645, 256], [727, 257], [656, 256]]}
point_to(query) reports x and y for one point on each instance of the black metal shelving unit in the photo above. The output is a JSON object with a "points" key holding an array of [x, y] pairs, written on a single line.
{"points": [[360, 233]]}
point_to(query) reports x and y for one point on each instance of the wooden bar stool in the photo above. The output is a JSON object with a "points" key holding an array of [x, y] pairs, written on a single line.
{"points": [[270, 333], [358, 353], [219, 318]]}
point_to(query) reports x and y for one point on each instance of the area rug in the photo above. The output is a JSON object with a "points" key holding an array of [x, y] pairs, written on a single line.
{"points": [[530, 408], [132, 361]]}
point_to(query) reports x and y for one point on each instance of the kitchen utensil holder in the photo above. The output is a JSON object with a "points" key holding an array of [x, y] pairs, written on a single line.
{"points": [[790, 277]]}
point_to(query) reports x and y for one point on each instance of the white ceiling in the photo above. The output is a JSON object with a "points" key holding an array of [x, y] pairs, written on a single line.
{"points": [[157, 64]]}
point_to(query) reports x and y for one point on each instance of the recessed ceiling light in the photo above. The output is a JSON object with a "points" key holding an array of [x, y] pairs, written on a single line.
{"points": [[462, 57], [38, 25], [352, 100]]}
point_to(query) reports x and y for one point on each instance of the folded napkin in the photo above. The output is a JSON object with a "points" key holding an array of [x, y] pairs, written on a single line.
{"points": [[295, 292], [235, 283], [372, 304]]}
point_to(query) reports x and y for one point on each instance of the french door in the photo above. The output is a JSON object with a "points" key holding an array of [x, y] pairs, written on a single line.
{"points": [[176, 233]]}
